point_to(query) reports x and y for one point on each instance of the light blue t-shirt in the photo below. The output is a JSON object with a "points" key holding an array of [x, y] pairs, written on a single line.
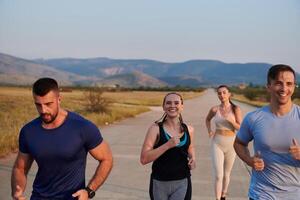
{"points": [[272, 136]]}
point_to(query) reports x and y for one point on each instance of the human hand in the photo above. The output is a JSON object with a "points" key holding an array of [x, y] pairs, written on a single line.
{"points": [[81, 194], [257, 162], [295, 149], [173, 141], [192, 163], [211, 134], [19, 195]]}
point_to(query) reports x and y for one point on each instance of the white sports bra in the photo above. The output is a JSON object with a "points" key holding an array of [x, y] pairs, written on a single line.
{"points": [[221, 122]]}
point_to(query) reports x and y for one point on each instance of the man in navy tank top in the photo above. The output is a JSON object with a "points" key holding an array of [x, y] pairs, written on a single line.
{"points": [[58, 140]]}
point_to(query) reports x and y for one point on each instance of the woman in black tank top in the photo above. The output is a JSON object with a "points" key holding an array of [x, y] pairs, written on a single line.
{"points": [[169, 144]]}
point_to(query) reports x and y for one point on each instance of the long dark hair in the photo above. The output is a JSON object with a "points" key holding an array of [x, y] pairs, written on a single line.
{"points": [[234, 107], [162, 119]]}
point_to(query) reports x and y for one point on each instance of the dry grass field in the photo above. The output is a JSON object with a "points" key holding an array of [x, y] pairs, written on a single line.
{"points": [[17, 108], [243, 99]]}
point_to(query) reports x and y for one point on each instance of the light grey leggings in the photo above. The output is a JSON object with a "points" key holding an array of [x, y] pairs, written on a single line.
{"points": [[170, 190], [223, 156]]}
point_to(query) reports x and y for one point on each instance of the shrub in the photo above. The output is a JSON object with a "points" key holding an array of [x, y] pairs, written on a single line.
{"points": [[257, 93], [95, 102]]}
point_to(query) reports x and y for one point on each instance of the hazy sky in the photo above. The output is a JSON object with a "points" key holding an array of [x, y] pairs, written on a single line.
{"points": [[166, 30]]}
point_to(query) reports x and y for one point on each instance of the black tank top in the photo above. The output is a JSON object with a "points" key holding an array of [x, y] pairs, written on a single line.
{"points": [[173, 164]]}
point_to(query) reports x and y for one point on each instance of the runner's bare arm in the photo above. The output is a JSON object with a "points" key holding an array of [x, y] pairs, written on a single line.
{"points": [[210, 115], [103, 154], [191, 150], [19, 175], [148, 153]]}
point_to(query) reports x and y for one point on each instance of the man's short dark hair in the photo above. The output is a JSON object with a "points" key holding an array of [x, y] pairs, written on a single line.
{"points": [[276, 69], [44, 85]]}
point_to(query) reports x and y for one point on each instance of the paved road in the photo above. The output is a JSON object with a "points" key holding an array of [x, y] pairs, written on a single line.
{"points": [[129, 179]]}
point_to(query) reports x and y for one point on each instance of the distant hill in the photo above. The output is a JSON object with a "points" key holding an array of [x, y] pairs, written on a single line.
{"points": [[134, 79], [191, 73], [131, 72], [104, 67], [18, 71]]}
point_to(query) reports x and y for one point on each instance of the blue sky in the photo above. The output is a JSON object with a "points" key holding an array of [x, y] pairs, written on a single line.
{"points": [[236, 31]]}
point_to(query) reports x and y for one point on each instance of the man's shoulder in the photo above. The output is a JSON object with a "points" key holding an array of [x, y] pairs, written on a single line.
{"points": [[258, 112], [75, 116], [77, 119], [295, 111], [32, 124], [296, 107]]}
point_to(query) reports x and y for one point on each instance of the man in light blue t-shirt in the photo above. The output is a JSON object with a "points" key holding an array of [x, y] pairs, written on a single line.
{"points": [[275, 131]]}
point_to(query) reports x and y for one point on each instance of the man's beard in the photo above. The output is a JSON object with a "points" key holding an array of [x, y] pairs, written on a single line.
{"points": [[48, 121]]}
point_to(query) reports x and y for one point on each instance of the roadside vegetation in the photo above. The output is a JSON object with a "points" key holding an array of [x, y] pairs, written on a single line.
{"points": [[257, 95], [101, 106]]}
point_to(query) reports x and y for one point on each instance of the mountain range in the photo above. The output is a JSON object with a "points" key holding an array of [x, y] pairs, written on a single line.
{"points": [[130, 72]]}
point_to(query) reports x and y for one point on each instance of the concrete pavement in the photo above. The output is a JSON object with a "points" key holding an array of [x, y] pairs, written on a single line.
{"points": [[129, 180]]}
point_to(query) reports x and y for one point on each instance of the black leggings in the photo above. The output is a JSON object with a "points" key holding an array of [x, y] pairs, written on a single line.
{"points": [[188, 195]]}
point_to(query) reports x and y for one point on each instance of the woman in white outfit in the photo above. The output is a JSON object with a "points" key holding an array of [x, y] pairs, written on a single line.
{"points": [[227, 118]]}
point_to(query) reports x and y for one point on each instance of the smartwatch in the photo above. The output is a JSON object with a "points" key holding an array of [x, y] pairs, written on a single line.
{"points": [[91, 193]]}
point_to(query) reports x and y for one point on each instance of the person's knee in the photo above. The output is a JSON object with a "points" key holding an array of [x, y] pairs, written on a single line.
{"points": [[226, 175], [218, 177]]}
